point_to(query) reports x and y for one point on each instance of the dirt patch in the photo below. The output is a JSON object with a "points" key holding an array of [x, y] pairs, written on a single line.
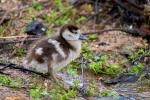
{"points": [[13, 94], [117, 41]]}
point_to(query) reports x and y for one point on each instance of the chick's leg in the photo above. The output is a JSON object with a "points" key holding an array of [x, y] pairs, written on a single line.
{"points": [[52, 73]]}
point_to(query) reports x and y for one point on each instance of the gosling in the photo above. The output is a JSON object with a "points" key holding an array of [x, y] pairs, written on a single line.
{"points": [[50, 55]]}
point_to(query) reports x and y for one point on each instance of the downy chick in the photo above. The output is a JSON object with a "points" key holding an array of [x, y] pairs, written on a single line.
{"points": [[50, 55]]}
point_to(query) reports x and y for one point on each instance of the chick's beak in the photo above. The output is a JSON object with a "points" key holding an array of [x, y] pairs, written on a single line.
{"points": [[82, 37]]}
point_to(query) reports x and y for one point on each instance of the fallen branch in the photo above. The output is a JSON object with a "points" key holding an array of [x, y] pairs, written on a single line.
{"points": [[19, 67]]}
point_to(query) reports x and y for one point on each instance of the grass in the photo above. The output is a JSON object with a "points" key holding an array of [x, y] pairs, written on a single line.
{"points": [[36, 92], [65, 18], [8, 81], [92, 88], [72, 71], [59, 5], [19, 51], [36, 5], [63, 15], [80, 19], [136, 54], [55, 93], [52, 17], [99, 63], [92, 36], [106, 93], [136, 69]]}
